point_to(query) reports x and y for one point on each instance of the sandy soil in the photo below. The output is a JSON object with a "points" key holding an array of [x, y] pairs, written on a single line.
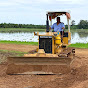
{"points": [[77, 78], [17, 47]]}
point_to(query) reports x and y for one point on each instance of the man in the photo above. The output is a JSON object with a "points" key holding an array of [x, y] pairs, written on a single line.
{"points": [[58, 26]]}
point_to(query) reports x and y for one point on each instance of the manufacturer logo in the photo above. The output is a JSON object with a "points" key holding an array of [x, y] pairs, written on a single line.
{"points": [[45, 36]]}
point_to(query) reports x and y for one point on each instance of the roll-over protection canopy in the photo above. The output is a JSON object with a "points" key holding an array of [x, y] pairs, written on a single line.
{"points": [[53, 15]]}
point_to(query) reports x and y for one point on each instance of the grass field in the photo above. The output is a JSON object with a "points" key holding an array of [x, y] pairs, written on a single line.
{"points": [[9, 53], [12, 30], [19, 42], [80, 30], [79, 45], [16, 53]]}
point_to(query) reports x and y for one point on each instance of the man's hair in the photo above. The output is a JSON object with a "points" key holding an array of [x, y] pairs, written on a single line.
{"points": [[58, 18]]}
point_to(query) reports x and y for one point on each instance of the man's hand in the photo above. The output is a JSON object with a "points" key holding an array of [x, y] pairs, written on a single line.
{"points": [[49, 27], [63, 28]]}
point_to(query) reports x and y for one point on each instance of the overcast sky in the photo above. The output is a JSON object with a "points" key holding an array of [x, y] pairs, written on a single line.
{"points": [[34, 11]]}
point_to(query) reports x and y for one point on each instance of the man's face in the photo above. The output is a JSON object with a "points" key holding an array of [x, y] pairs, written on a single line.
{"points": [[58, 19]]}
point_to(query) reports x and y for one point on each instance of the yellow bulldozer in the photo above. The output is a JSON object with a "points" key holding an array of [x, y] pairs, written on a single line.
{"points": [[51, 57]]}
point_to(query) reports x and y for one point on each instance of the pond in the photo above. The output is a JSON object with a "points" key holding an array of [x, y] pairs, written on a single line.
{"points": [[76, 37]]}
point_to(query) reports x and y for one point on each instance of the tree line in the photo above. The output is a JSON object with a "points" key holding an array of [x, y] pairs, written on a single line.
{"points": [[11, 25], [83, 24]]}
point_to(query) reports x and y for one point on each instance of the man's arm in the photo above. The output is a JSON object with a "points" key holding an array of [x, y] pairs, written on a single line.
{"points": [[52, 27], [49, 27], [63, 26]]}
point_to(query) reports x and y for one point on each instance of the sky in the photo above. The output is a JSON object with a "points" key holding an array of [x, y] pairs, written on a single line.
{"points": [[34, 11]]}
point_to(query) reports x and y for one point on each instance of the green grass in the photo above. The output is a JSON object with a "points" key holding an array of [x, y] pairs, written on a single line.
{"points": [[80, 30], [9, 53], [19, 42], [79, 45], [16, 53], [12, 30]]}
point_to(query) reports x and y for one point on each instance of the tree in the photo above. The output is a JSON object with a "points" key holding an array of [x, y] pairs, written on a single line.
{"points": [[83, 24], [73, 22]]}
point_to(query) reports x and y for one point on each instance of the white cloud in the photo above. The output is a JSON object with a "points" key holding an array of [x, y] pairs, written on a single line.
{"points": [[26, 11], [72, 1], [7, 4], [17, 2]]}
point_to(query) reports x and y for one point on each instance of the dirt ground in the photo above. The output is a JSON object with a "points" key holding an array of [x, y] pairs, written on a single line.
{"points": [[77, 78], [15, 47]]}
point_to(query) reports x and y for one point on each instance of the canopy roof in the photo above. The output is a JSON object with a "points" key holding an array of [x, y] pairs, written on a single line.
{"points": [[54, 14]]}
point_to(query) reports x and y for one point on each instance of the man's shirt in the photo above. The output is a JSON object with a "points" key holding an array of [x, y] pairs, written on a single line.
{"points": [[57, 27]]}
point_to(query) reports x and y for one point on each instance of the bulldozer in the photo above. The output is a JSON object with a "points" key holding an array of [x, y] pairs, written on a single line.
{"points": [[51, 57]]}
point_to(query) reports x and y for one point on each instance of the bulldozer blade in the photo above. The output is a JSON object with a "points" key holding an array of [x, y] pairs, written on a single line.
{"points": [[38, 65]]}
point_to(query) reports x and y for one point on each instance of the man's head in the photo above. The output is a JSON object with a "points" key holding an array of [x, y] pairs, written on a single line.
{"points": [[58, 19]]}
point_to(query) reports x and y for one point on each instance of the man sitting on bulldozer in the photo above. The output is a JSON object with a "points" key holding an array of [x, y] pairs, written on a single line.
{"points": [[58, 27]]}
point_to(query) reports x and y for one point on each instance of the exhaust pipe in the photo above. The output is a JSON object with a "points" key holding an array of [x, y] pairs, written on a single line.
{"points": [[47, 23]]}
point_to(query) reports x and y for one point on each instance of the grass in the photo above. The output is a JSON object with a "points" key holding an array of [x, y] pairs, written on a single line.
{"points": [[16, 53], [79, 45], [12, 30], [80, 30], [10, 53], [19, 42]]}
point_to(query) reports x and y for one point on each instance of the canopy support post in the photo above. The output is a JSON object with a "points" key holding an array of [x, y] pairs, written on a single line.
{"points": [[47, 23], [68, 25], [51, 21]]}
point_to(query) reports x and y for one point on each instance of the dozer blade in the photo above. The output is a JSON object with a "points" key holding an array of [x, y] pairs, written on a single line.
{"points": [[38, 65]]}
